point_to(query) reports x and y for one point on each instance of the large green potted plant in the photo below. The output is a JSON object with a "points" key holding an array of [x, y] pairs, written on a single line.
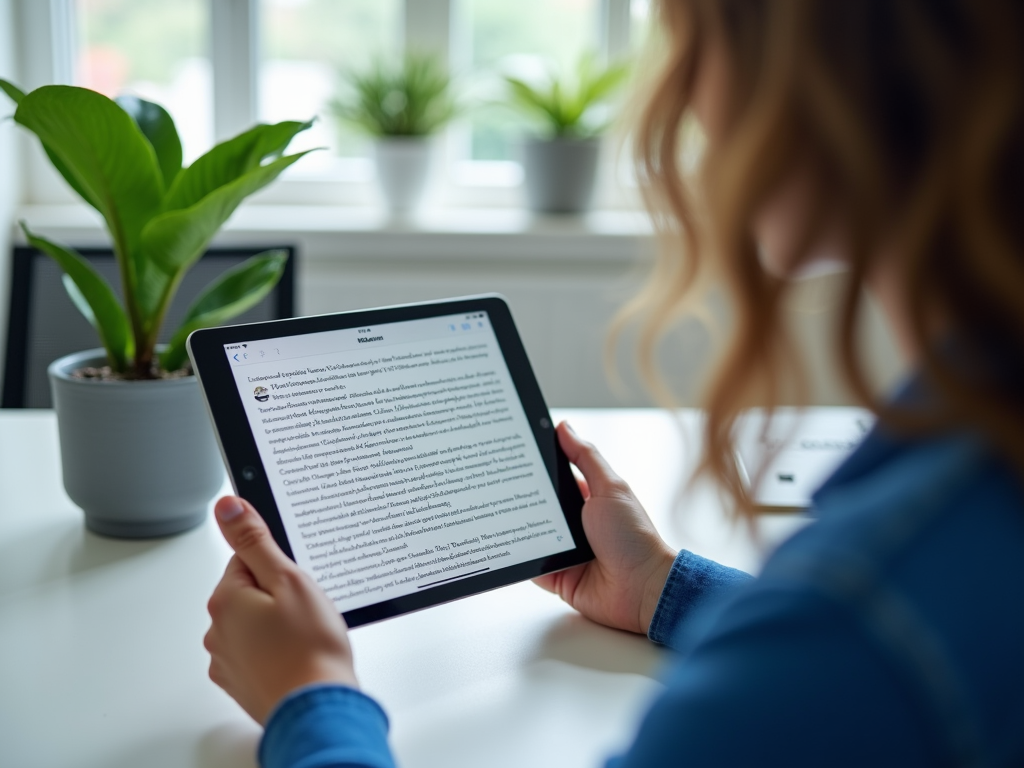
{"points": [[560, 162], [400, 105], [137, 449]]}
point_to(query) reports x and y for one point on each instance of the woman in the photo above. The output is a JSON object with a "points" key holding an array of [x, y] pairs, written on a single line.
{"points": [[888, 134]]}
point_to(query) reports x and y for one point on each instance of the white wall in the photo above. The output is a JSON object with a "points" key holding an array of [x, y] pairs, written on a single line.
{"points": [[10, 186]]}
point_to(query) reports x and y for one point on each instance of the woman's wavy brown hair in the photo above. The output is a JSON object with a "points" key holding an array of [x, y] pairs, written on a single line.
{"points": [[910, 114]]}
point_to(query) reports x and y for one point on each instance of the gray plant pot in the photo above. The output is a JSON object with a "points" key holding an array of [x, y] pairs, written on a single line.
{"points": [[560, 174], [139, 457]]}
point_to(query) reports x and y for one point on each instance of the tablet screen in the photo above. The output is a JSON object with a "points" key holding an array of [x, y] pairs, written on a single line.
{"points": [[399, 455]]}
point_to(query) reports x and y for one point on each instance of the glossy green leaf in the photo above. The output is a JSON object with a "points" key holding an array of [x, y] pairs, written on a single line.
{"points": [[158, 127], [104, 151], [12, 90], [152, 286], [174, 240], [236, 291], [229, 161], [73, 182], [17, 95], [124, 159], [105, 311], [78, 299]]}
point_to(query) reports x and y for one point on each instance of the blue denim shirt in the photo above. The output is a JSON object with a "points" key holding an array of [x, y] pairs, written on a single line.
{"points": [[890, 632]]}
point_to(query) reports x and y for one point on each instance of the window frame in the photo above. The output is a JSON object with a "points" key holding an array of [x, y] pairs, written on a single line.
{"points": [[48, 56]]}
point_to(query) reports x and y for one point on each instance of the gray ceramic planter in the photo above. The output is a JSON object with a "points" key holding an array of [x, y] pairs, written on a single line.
{"points": [[139, 457], [560, 174]]}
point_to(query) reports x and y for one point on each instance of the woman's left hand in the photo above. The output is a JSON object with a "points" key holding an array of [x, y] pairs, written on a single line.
{"points": [[274, 630]]}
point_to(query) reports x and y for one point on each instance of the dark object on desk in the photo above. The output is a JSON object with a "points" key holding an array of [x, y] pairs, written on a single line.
{"points": [[44, 325]]}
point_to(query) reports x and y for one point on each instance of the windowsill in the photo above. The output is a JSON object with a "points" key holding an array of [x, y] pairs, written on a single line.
{"points": [[337, 232]]}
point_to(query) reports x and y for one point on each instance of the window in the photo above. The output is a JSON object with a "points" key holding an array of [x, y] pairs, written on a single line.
{"points": [[220, 65], [153, 49], [640, 22], [526, 38], [305, 48]]}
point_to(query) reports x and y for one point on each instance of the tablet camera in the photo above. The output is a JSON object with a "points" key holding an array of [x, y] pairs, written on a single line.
{"points": [[249, 473]]}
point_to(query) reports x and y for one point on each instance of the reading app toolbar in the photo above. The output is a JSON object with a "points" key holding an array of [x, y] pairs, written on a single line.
{"points": [[331, 342]]}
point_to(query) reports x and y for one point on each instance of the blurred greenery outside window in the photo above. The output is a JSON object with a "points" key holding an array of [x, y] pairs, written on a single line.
{"points": [[306, 47], [153, 49], [526, 38], [159, 50]]}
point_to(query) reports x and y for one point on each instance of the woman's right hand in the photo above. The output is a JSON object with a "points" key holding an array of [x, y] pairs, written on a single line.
{"points": [[620, 587]]}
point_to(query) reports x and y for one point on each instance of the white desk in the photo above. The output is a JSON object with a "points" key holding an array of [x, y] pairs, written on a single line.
{"points": [[102, 664]]}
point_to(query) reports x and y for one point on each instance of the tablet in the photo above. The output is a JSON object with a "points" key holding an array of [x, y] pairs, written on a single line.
{"points": [[402, 456]]}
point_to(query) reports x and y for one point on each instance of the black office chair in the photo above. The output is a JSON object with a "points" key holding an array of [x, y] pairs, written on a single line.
{"points": [[43, 324]]}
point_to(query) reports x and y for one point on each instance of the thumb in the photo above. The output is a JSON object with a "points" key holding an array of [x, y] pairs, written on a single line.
{"points": [[248, 535], [600, 478]]}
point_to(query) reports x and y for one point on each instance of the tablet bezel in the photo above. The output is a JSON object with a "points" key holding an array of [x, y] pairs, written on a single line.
{"points": [[248, 475]]}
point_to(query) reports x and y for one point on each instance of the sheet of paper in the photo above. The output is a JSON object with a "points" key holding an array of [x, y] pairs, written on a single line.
{"points": [[399, 455]]}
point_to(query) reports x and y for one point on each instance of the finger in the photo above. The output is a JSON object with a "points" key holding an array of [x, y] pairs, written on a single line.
{"points": [[248, 535], [599, 477], [237, 574], [562, 583], [546, 582], [584, 488], [237, 578]]}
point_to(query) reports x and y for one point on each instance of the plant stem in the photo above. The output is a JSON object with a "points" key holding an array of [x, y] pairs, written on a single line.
{"points": [[158, 316], [143, 361]]}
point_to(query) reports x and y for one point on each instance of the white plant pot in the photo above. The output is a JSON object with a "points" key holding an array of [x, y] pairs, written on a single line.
{"points": [[139, 457], [403, 171]]}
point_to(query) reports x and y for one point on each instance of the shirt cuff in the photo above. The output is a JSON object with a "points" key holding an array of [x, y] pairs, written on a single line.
{"points": [[692, 581], [326, 725]]}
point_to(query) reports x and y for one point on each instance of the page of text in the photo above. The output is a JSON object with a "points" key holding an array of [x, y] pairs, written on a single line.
{"points": [[399, 455]]}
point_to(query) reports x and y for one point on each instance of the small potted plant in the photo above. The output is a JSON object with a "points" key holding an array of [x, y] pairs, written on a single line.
{"points": [[401, 106], [560, 164], [137, 449]]}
